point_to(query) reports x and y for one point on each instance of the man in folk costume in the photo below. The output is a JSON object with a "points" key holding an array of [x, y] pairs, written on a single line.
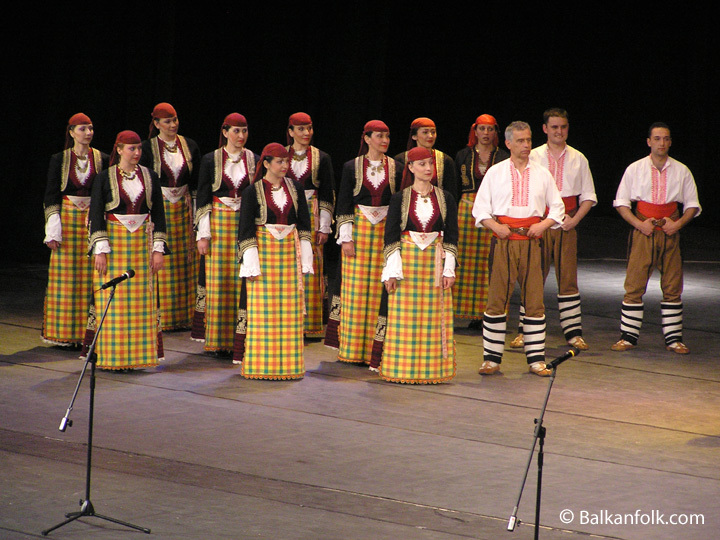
{"points": [[312, 168], [572, 175], [517, 200], [175, 159], [666, 199]]}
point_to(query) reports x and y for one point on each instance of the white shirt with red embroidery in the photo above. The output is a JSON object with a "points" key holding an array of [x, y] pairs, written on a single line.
{"points": [[642, 181], [507, 192], [571, 172]]}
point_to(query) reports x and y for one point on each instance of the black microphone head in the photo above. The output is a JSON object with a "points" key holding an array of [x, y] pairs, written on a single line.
{"points": [[130, 272]]}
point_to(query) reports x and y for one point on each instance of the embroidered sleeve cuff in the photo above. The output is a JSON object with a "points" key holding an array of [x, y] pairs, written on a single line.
{"points": [[345, 233], [393, 267], [53, 229], [250, 265], [306, 257]]}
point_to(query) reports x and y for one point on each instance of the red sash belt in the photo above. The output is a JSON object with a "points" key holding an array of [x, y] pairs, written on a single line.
{"points": [[656, 211], [517, 224]]}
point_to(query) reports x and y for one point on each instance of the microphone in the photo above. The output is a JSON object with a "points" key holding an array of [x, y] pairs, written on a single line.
{"points": [[560, 359], [127, 275]]}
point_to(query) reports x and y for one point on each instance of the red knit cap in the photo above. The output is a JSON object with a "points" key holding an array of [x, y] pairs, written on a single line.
{"points": [[299, 119], [414, 126], [124, 137], [371, 127], [164, 110], [272, 150], [79, 119], [414, 154]]}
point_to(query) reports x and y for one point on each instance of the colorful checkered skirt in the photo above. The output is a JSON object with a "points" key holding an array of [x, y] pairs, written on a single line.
{"points": [[178, 280], [471, 284], [222, 283], [130, 336], [361, 291], [315, 283], [69, 289], [274, 339], [419, 343]]}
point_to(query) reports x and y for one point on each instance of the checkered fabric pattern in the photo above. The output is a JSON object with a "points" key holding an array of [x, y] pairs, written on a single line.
{"points": [[314, 284], [274, 340], [221, 279], [471, 284], [361, 291], [413, 349], [69, 293], [178, 279], [130, 336]]}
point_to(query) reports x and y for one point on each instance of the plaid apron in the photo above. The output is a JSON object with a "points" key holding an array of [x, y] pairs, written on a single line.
{"points": [[69, 291], [274, 339], [177, 282], [419, 345], [361, 291], [221, 279], [314, 283], [471, 284], [130, 336]]}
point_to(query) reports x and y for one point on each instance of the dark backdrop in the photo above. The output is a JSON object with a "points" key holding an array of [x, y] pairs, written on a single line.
{"points": [[615, 70]]}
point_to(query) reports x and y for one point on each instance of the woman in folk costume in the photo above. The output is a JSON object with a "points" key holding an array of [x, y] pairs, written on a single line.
{"points": [[367, 183], [175, 160], [224, 174], [275, 250], [312, 168], [67, 200], [420, 253], [127, 231], [423, 133], [472, 162]]}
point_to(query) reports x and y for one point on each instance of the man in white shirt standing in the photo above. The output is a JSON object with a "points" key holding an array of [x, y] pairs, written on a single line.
{"points": [[658, 186], [573, 179], [518, 201]]}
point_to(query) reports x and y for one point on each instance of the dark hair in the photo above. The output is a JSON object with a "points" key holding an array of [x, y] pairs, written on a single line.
{"points": [[658, 125], [555, 111]]}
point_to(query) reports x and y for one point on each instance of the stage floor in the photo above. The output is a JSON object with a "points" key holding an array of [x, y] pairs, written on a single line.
{"points": [[192, 450]]}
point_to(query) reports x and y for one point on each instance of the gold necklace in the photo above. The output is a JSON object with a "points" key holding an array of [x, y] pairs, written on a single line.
{"points": [[128, 175], [171, 147], [81, 163], [375, 168]]}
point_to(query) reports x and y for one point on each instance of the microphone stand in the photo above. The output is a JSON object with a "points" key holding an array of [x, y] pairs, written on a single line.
{"points": [[539, 435], [86, 507]]}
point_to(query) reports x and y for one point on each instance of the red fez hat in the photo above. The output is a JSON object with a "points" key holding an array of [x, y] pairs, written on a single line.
{"points": [[371, 127], [299, 119], [375, 125], [75, 120], [419, 152], [164, 110], [235, 119], [272, 150], [414, 154], [127, 137], [422, 122], [231, 120], [482, 120], [124, 137], [414, 126], [79, 119]]}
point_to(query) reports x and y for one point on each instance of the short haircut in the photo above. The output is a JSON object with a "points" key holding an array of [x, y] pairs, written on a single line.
{"points": [[658, 125], [515, 126], [562, 113]]}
